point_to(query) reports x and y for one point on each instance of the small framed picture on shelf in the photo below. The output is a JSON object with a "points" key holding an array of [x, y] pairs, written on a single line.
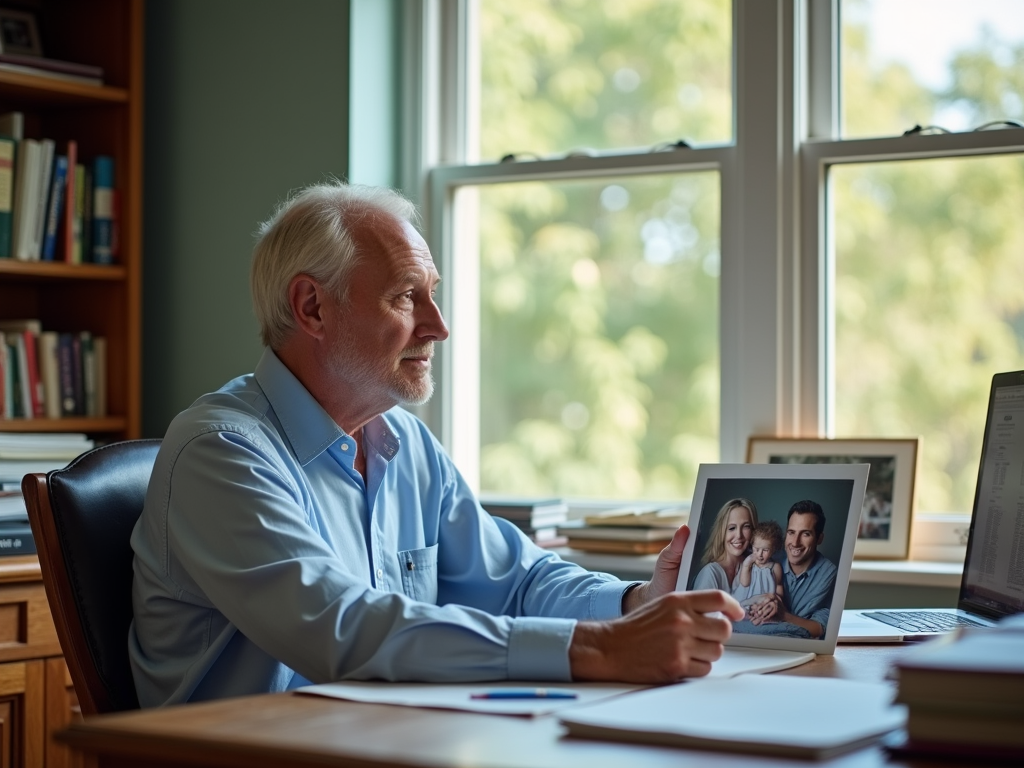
{"points": [[19, 33], [884, 530]]}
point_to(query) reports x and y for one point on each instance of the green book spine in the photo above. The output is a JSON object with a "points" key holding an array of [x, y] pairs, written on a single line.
{"points": [[6, 195]]}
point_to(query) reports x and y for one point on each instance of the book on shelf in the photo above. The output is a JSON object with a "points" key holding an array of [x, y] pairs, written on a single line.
{"points": [[625, 531], [663, 517], [966, 691], [26, 196], [7, 148], [48, 150], [54, 207], [44, 445], [12, 124], [16, 538], [12, 505], [616, 546], [13, 470], [43, 67], [66, 229], [103, 210], [529, 512], [23, 453], [51, 375], [616, 532]]}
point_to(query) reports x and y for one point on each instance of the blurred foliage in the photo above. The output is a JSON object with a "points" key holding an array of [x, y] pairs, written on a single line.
{"points": [[599, 298]]}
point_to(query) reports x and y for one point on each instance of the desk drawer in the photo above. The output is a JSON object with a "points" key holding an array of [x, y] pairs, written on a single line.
{"points": [[26, 627]]}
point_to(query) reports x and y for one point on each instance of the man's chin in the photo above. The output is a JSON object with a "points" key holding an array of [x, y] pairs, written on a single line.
{"points": [[417, 395]]}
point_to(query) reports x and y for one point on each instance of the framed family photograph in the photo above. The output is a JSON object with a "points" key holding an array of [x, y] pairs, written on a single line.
{"points": [[884, 530], [19, 33], [779, 538]]}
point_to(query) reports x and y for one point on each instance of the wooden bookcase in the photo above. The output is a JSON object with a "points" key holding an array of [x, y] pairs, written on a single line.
{"points": [[36, 696], [106, 119]]}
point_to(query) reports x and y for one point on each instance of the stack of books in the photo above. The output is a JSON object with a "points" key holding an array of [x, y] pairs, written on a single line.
{"points": [[965, 694], [625, 531], [54, 205], [538, 518], [22, 453], [51, 375]]}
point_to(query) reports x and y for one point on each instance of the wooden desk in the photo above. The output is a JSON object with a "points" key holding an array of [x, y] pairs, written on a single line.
{"points": [[301, 730]]}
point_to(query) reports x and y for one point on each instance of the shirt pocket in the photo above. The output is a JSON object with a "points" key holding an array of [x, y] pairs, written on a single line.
{"points": [[419, 573]]}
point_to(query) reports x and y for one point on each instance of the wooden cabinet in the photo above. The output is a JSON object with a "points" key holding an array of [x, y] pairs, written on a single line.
{"points": [[36, 695], [103, 120]]}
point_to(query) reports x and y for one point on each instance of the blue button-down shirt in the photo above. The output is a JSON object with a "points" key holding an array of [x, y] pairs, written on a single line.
{"points": [[263, 561], [809, 595]]}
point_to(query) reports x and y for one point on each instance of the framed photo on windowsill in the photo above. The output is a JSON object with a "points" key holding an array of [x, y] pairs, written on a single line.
{"points": [[884, 530]]}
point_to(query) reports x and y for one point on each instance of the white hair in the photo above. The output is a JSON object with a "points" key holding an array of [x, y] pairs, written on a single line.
{"points": [[311, 233]]}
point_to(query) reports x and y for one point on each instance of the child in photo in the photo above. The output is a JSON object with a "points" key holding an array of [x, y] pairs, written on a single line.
{"points": [[760, 575]]}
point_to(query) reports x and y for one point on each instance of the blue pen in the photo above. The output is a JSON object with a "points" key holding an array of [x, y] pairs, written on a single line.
{"points": [[524, 693]]}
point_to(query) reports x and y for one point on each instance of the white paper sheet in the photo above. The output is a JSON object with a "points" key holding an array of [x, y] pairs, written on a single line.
{"points": [[459, 695], [734, 661]]}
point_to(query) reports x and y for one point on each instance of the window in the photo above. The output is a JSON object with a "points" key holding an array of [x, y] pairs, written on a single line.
{"points": [[799, 268]]}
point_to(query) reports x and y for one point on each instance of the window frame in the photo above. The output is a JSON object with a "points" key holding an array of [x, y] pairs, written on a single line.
{"points": [[777, 270]]}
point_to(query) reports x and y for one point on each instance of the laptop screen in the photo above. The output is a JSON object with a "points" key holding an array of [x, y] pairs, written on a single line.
{"points": [[993, 583]]}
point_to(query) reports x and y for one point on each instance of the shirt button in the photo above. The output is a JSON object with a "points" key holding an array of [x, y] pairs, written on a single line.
{"points": [[380, 573], [344, 446]]}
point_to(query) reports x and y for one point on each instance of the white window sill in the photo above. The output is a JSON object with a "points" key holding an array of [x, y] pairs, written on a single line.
{"points": [[915, 573]]}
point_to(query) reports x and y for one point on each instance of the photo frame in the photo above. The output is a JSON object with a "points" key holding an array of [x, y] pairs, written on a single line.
{"points": [[19, 33], [780, 539], [884, 531]]}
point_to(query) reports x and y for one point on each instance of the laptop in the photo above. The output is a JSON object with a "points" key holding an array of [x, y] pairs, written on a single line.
{"points": [[993, 582]]}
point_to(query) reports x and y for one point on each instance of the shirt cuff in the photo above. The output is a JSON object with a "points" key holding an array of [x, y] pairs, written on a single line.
{"points": [[606, 599], [538, 649]]}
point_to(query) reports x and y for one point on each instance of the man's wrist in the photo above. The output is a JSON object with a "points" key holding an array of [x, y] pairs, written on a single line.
{"points": [[632, 597]]}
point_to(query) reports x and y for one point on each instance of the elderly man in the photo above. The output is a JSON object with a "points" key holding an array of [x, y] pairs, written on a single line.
{"points": [[301, 527]]}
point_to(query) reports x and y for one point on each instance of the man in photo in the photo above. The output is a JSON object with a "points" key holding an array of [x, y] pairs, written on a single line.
{"points": [[808, 577]]}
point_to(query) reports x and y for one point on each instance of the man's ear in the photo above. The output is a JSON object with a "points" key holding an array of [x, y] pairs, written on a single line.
{"points": [[306, 298]]}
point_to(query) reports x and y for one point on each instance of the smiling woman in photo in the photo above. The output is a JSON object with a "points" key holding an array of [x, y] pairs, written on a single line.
{"points": [[727, 546]]}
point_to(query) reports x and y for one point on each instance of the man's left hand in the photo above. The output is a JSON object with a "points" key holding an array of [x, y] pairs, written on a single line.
{"points": [[666, 573]]}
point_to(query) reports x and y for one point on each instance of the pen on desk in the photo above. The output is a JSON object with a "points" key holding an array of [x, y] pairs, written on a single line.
{"points": [[524, 693]]}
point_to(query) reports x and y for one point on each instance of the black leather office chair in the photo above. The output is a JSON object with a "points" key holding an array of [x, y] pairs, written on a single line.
{"points": [[82, 518]]}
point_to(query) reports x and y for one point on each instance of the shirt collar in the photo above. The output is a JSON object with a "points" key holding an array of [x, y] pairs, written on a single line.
{"points": [[306, 425]]}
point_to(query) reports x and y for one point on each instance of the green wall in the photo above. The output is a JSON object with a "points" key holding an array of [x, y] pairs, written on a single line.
{"points": [[245, 100]]}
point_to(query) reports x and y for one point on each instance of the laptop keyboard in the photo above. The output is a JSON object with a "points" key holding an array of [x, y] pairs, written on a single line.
{"points": [[923, 621]]}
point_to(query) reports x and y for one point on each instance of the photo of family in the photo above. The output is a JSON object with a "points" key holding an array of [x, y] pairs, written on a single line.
{"points": [[774, 544]]}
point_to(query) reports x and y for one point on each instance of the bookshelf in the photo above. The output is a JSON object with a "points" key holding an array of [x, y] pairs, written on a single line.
{"points": [[103, 120], [36, 695]]}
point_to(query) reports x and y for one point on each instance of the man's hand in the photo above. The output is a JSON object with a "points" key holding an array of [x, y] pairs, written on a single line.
{"points": [[666, 573], [674, 636], [766, 610]]}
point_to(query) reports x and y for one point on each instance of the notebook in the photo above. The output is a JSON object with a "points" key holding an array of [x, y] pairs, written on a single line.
{"points": [[993, 582]]}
